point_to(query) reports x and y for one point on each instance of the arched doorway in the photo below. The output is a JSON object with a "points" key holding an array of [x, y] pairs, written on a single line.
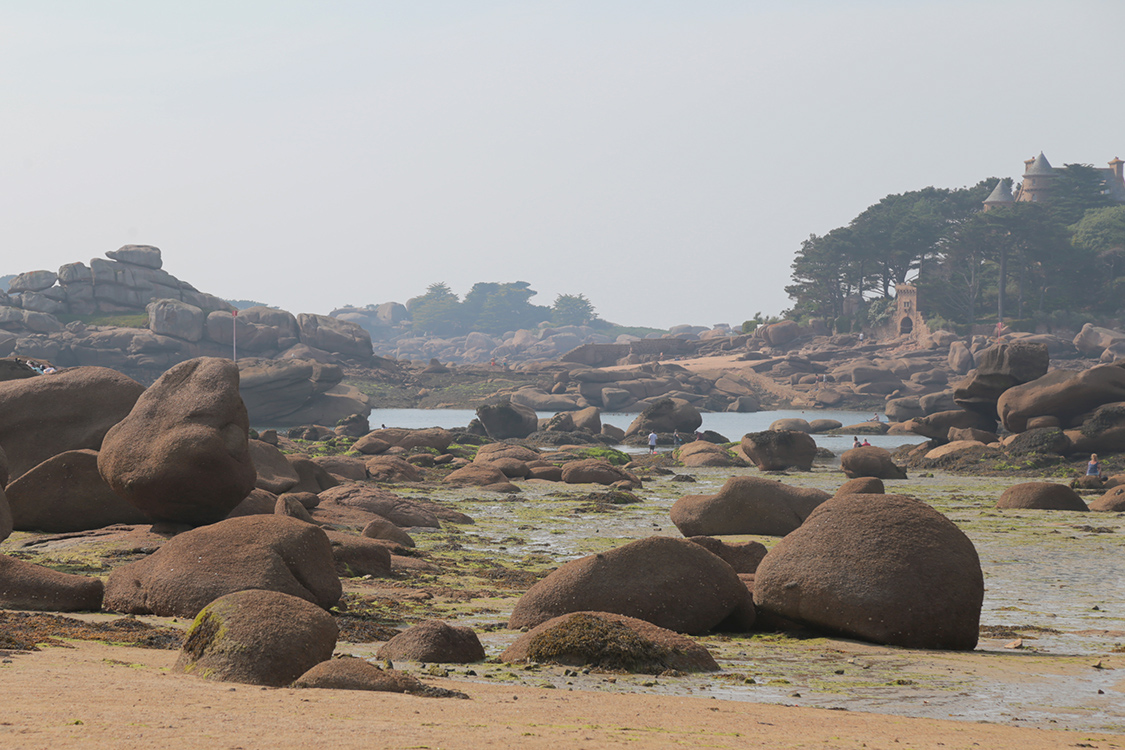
{"points": [[906, 326]]}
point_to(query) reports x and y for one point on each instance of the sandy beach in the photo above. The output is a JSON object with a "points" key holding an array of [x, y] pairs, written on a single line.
{"points": [[98, 696]]}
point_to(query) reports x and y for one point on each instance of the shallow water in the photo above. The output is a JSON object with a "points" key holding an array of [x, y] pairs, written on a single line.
{"points": [[729, 424]]}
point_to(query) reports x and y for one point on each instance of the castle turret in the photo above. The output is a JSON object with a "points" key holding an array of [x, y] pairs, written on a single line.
{"points": [[1001, 195], [1037, 179]]}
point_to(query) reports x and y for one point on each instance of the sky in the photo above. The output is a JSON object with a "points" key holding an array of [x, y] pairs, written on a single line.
{"points": [[663, 157]]}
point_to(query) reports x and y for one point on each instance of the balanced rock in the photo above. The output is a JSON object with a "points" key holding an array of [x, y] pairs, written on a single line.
{"points": [[672, 583], [66, 493], [1063, 394], [777, 450], [69, 410], [182, 454], [1041, 496], [258, 638], [746, 505], [436, 642], [269, 552], [881, 568], [603, 640], [999, 368], [870, 461]]}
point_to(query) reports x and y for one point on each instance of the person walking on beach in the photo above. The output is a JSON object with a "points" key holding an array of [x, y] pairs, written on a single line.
{"points": [[652, 442], [676, 439]]}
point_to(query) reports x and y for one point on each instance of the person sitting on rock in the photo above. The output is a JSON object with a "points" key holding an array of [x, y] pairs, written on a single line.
{"points": [[865, 444], [855, 442], [1094, 469]]}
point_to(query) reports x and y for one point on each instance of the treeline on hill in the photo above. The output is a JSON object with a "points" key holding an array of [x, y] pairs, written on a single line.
{"points": [[494, 308], [1056, 262]]}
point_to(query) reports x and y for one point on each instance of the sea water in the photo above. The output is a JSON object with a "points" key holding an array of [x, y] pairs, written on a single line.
{"points": [[731, 425]]}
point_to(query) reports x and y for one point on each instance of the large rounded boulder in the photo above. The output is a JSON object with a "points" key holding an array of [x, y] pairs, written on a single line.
{"points": [[508, 420], [870, 461], [673, 583], [777, 450], [66, 493], [258, 638], [746, 505], [182, 454], [269, 552], [68, 410], [882, 568], [1040, 496]]}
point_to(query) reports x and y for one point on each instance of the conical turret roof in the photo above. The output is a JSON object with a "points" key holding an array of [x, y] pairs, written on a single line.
{"points": [[1000, 194], [1040, 166]]}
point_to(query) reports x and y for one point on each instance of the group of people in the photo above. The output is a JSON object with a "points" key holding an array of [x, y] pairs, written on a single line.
{"points": [[857, 444], [677, 440]]}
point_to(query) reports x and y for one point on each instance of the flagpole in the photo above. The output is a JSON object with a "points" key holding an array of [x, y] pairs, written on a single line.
{"points": [[234, 335]]}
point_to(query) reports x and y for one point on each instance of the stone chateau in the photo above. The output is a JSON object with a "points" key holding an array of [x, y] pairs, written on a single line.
{"points": [[1038, 181]]}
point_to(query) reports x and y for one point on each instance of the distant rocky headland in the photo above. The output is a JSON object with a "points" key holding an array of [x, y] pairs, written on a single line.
{"points": [[126, 313]]}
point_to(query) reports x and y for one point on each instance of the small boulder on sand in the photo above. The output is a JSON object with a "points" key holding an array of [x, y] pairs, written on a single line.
{"points": [[436, 642], [1041, 496], [258, 638], [603, 640]]}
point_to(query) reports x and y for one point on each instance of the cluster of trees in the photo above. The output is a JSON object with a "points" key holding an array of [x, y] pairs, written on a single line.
{"points": [[1044, 260], [494, 308]]}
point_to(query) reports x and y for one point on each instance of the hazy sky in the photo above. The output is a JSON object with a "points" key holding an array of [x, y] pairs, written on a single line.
{"points": [[664, 157]]}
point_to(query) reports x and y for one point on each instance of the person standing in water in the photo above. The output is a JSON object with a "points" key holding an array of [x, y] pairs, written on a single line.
{"points": [[652, 442]]}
